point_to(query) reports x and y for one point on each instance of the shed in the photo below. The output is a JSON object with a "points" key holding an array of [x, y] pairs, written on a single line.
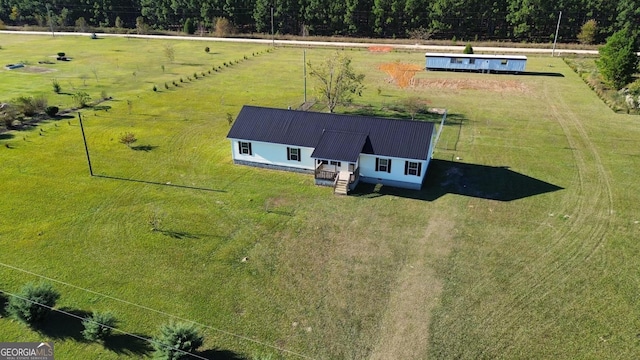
{"points": [[476, 62]]}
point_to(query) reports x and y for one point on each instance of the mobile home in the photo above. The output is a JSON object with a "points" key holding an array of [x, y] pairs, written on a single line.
{"points": [[476, 62]]}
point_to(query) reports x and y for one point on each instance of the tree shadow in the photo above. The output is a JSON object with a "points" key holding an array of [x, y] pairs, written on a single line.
{"points": [[3, 306], [101, 107], [145, 148], [58, 325], [478, 181], [128, 345], [6, 136], [220, 354], [157, 183], [178, 234], [398, 112]]}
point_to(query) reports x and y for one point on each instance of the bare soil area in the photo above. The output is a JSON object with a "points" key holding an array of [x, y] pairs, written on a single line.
{"points": [[473, 84]]}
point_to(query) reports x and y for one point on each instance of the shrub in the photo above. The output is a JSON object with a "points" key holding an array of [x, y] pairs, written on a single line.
{"points": [[155, 88], [588, 32], [189, 26], [634, 87], [128, 138], [61, 54], [618, 60], [51, 110], [468, 49], [206, 49], [98, 326], [81, 99], [33, 303], [166, 86], [30, 105], [175, 339], [57, 88], [223, 27]]}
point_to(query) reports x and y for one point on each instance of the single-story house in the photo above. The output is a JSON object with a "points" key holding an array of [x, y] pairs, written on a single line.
{"points": [[340, 150], [476, 62]]}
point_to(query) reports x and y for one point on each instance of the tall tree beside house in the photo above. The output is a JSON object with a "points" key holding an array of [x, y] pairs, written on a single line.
{"points": [[618, 60], [337, 82]]}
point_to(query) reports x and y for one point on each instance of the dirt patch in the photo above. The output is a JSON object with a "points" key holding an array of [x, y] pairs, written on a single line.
{"points": [[35, 70], [404, 332], [473, 84], [380, 48], [401, 74]]}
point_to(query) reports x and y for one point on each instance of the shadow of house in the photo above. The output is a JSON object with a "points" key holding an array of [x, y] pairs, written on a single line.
{"points": [[60, 326], [128, 345], [479, 181]]}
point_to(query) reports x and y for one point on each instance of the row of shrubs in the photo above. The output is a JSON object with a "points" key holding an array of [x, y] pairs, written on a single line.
{"points": [[34, 302], [203, 74]]}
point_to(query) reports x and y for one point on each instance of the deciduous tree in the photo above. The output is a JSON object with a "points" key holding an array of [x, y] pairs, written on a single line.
{"points": [[618, 60], [337, 82]]}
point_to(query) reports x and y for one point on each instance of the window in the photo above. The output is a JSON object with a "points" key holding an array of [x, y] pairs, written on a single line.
{"points": [[337, 163], [245, 148], [293, 154], [383, 165], [472, 61], [504, 62], [324, 162], [352, 167], [457, 60], [412, 168]]}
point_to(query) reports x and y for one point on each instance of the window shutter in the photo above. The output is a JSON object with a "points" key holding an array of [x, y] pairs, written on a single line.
{"points": [[240, 147], [419, 168], [299, 155], [250, 152], [377, 164], [288, 153], [389, 166], [406, 167]]}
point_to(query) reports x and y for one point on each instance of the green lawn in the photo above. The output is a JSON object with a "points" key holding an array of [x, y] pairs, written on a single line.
{"points": [[521, 245]]}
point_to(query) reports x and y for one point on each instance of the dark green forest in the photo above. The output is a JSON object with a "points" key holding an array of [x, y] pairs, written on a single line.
{"points": [[470, 20]]}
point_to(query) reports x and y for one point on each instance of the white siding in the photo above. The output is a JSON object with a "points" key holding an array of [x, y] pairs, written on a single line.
{"points": [[368, 169], [273, 154]]}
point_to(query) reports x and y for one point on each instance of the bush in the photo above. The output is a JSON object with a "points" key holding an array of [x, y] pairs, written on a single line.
{"points": [[155, 88], [618, 60], [51, 110], [128, 138], [206, 49], [30, 105], [98, 326], [467, 49], [61, 54], [33, 303], [189, 26], [81, 99], [57, 88], [588, 32], [634, 87], [175, 339]]}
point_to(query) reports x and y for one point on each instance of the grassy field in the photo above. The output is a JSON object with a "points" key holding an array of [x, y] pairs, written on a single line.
{"points": [[522, 243]]}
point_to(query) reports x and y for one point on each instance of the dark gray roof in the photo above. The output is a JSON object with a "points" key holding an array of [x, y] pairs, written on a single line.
{"points": [[339, 145], [385, 137]]}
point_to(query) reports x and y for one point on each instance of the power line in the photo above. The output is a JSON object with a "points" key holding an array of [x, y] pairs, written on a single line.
{"points": [[158, 312], [151, 341]]}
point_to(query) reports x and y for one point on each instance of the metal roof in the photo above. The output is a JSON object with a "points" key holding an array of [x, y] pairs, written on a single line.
{"points": [[339, 145], [386, 137], [477, 56]]}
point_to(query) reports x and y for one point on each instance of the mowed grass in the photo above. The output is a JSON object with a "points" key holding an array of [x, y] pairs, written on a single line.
{"points": [[381, 274]]}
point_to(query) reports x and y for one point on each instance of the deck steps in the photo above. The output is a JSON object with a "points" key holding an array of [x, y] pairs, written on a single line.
{"points": [[342, 183]]}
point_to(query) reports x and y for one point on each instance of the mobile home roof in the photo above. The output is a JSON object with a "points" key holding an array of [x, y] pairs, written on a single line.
{"points": [[477, 56]]}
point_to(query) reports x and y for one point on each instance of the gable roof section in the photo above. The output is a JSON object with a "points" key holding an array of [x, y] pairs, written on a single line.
{"points": [[385, 137], [339, 145]]}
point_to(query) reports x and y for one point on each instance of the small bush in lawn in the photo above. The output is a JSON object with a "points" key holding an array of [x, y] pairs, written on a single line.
{"points": [[166, 86], [61, 54], [181, 80], [104, 95], [128, 139], [33, 303], [188, 78], [155, 88], [195, 76], [51, 110], [98, 326], [81, 99], [175, 339], [203, 74], [56, 86], [206, 49], [175, 83]]}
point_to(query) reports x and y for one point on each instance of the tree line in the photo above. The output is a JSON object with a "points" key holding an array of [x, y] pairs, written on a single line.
{"points": [[507, 20]]}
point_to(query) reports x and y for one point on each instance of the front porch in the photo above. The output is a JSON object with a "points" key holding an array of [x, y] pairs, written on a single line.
{"points": [[328, 175]]}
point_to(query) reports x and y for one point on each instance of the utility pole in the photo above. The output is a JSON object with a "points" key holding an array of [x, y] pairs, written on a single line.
{"points": [[86, 148], [273, 39], [50, 20], [304, 71], [555, 38]]}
